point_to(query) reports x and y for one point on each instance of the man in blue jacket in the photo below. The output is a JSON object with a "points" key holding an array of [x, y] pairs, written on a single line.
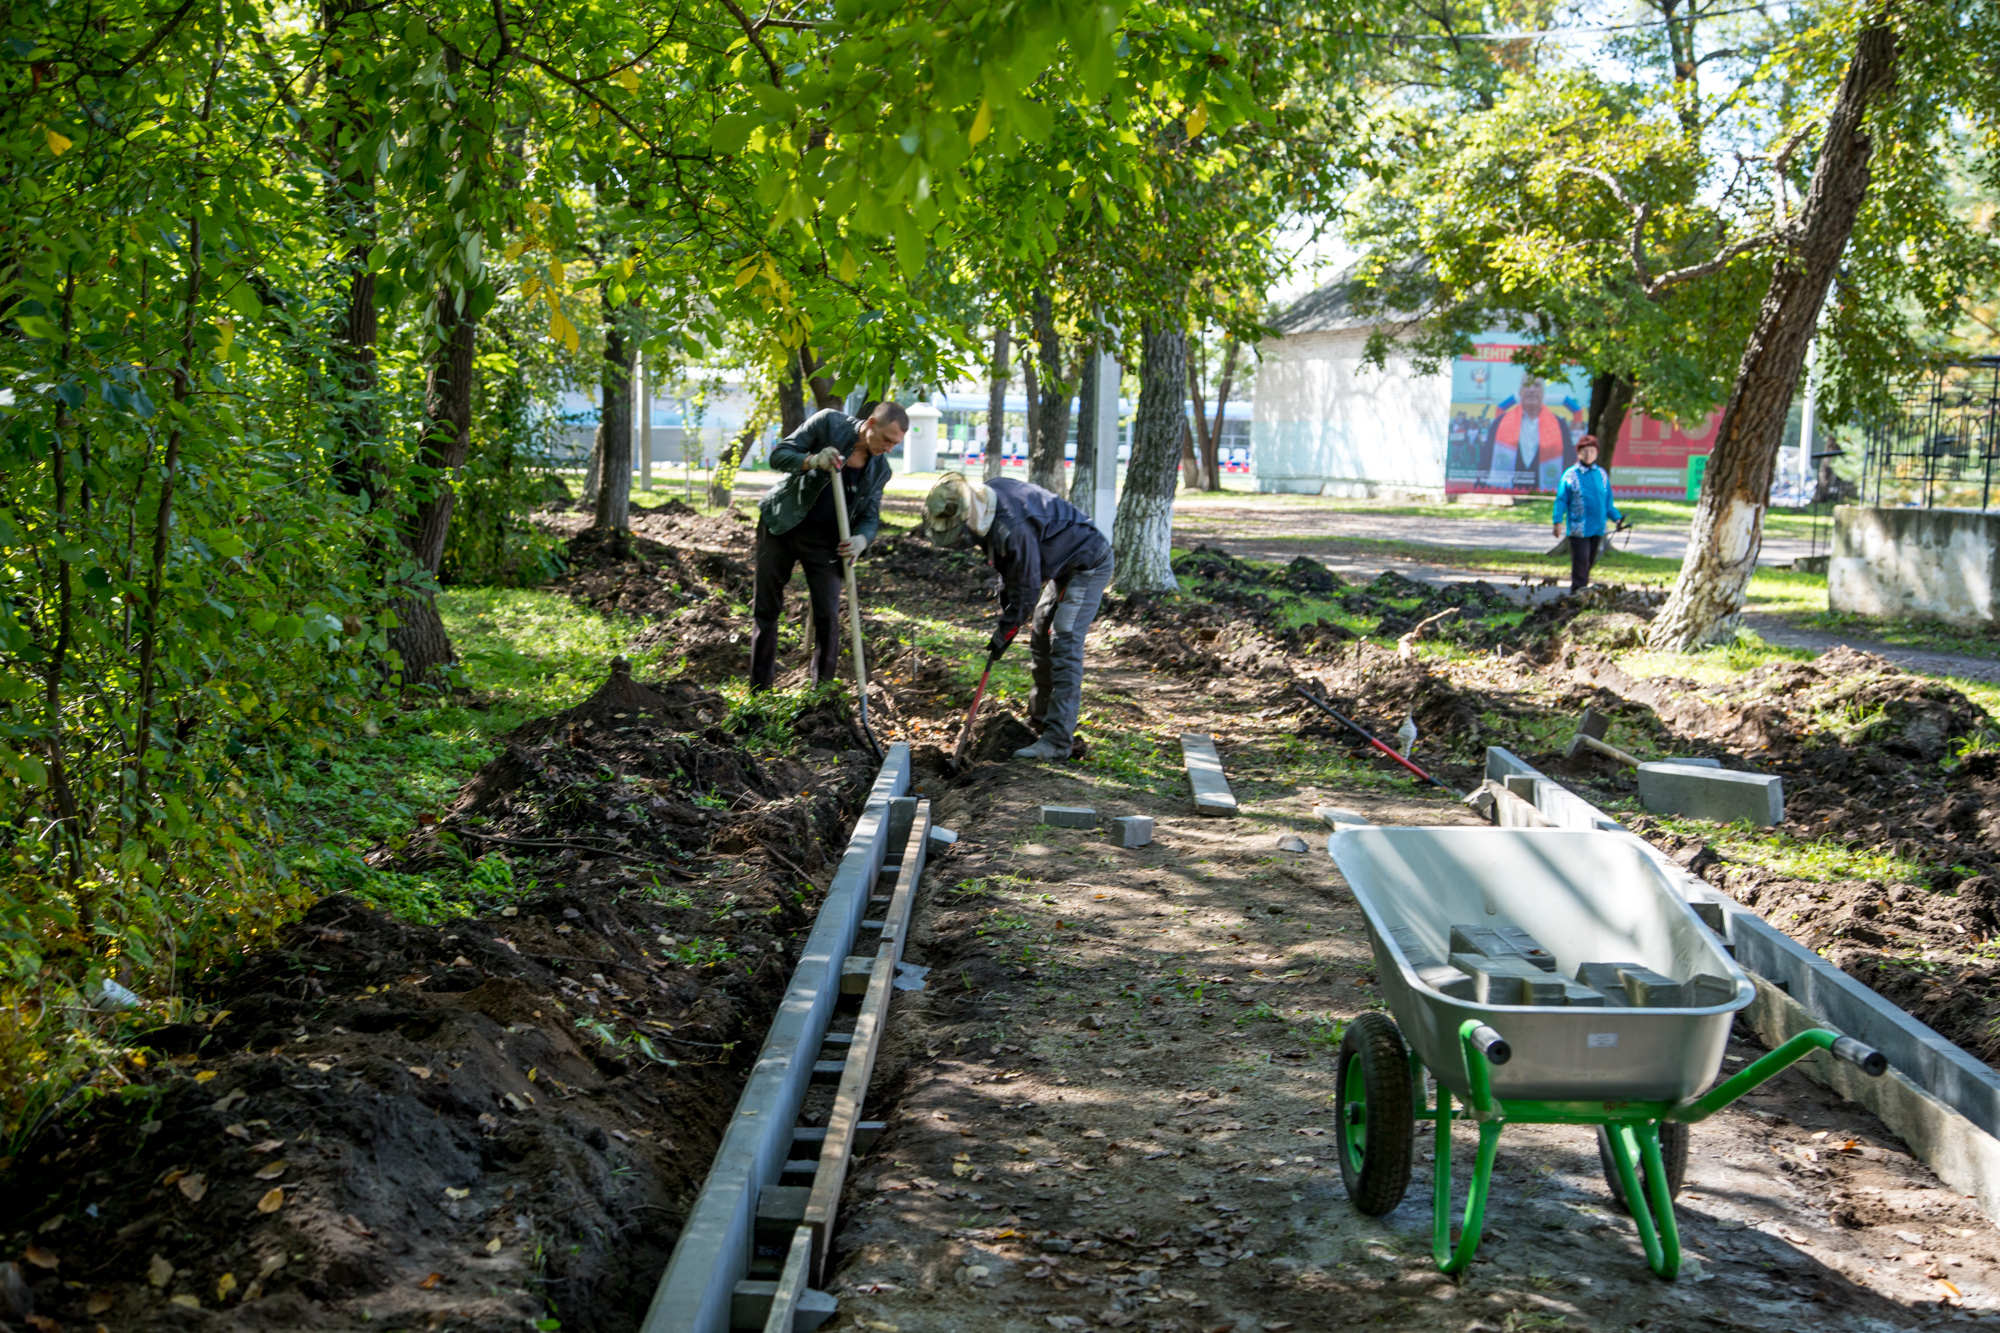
{"points": [[1583, 501], [1051, 558], [796, 525]]}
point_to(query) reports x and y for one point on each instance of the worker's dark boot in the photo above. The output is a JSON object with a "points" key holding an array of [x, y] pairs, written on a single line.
{"points": [[1044, 749]]}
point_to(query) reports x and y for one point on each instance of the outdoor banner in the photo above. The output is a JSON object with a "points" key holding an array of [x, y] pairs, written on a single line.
{"points": [[1512, 433], [1652, 457]]}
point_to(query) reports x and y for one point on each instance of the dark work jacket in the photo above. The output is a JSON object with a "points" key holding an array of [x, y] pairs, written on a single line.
{"points": [[1036, 537], [795, 499]]}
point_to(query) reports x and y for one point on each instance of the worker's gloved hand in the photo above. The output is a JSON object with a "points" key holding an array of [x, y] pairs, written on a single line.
{"points": [[826, 460], [852, 548], [998, 643]]}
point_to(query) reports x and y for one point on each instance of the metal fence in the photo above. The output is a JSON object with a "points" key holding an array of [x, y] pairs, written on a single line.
{"points": [[1938, 447]]}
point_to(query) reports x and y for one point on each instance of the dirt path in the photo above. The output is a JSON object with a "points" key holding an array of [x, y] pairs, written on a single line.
{"points": [[1111, 1108], [1775, 629]]}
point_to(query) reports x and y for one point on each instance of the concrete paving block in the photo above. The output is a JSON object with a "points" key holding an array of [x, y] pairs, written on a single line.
{"points": [[1527, 946], [1204, 770], [1132, 830], [943, 835], [1604, 978], [1689, 759], [1069, 816], [1720, 794], [1444, 977], [1581, 996], [1337, 818], [1512, 980], [1647, 989]]}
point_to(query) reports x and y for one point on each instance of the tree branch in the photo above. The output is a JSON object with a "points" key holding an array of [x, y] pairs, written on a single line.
{"points": [[752, 32]]}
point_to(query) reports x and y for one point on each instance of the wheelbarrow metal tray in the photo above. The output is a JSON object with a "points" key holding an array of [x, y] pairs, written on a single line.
{"points": [[1588, 897]]}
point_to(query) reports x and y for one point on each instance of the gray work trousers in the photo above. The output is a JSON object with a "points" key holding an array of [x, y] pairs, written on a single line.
{"points": [[1055, 648]]}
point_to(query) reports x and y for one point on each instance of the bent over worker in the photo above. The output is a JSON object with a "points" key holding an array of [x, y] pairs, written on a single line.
{"points": [[1583, 501], [796, 525], [1051, 558]]}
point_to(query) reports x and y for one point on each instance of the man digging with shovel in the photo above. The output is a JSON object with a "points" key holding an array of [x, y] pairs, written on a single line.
{"points": [[798, 524], [1050, 556]]}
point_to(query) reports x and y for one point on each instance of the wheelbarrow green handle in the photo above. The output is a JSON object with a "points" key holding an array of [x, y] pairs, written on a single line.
{"points": [[1845, 1049]]}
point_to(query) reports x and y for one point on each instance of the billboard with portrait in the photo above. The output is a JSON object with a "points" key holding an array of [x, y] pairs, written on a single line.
{"points": [[1511, 432]]}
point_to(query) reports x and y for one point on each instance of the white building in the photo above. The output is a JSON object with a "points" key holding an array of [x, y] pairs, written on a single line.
{"points": [[1326, 425]]}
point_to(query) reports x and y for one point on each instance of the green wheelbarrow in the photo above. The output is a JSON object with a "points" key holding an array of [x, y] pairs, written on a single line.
{"points": [[1634, 1054]]}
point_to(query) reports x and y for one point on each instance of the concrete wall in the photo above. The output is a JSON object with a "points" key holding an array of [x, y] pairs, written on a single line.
{"points": [[1914, 564], [1323, 425]]}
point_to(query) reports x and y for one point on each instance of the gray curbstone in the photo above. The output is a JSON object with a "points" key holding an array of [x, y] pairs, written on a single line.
{"points": [[1720, 794], [1204, 770], [1132, 830], [1069, 816]]}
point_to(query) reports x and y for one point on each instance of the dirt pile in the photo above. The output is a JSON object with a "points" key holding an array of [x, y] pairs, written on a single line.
{"points": [[667, 565], [486, 1122]]}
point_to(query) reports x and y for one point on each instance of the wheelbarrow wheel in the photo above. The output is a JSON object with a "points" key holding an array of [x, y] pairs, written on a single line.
{"points": [[1673, 1155], [1378, 1114]]}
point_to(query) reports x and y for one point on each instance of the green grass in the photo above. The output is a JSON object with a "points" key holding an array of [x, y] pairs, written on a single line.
{"points": [[1673, 515], [1926, 635], [524, 654], [1813, 860]]}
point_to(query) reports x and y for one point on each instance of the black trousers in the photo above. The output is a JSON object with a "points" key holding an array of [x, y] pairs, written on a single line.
{"points": [[1583, 553], [777, 555]]}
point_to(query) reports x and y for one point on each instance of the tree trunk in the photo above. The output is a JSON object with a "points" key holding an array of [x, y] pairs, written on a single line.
{"points": [[722, 487], [791, 397], [1610, 396], [1212, 458], [614, 474], [823, 395], [996, 404], [590, 469], [1729, 519], [1201, 448], [1032, 384], [1083, 487], [420, 636], [357, 468], [1051, 437], [1142, 535], [1190, 465]]}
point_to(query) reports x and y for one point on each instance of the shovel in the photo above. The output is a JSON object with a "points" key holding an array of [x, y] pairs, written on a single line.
{"points": [[854, 615], [971, 717]]}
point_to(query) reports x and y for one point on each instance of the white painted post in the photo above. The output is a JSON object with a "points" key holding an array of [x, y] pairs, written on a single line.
{"points": [[645, 425], [920, 442], [1808, 419], [1104, 503]]}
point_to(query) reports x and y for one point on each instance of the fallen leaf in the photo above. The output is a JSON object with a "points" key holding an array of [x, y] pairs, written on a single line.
{"points": [[194, 1186], [461, 961], [173, 1175], [204, 1076], [320, 1067], [253, 1292], [54, 1222], [493, 1246], [430, 1282], [1948, 1287], [272, 1201], [451, 1193], [271, 1171], [229, 1099], [41, 1323], [1093, 1133], [99, 1302], [268, 1145], [42, 1258], [271, 1264], [236, 1132], [421, 1071], [224, 1285], [159, 1272], [184, 1299]]}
